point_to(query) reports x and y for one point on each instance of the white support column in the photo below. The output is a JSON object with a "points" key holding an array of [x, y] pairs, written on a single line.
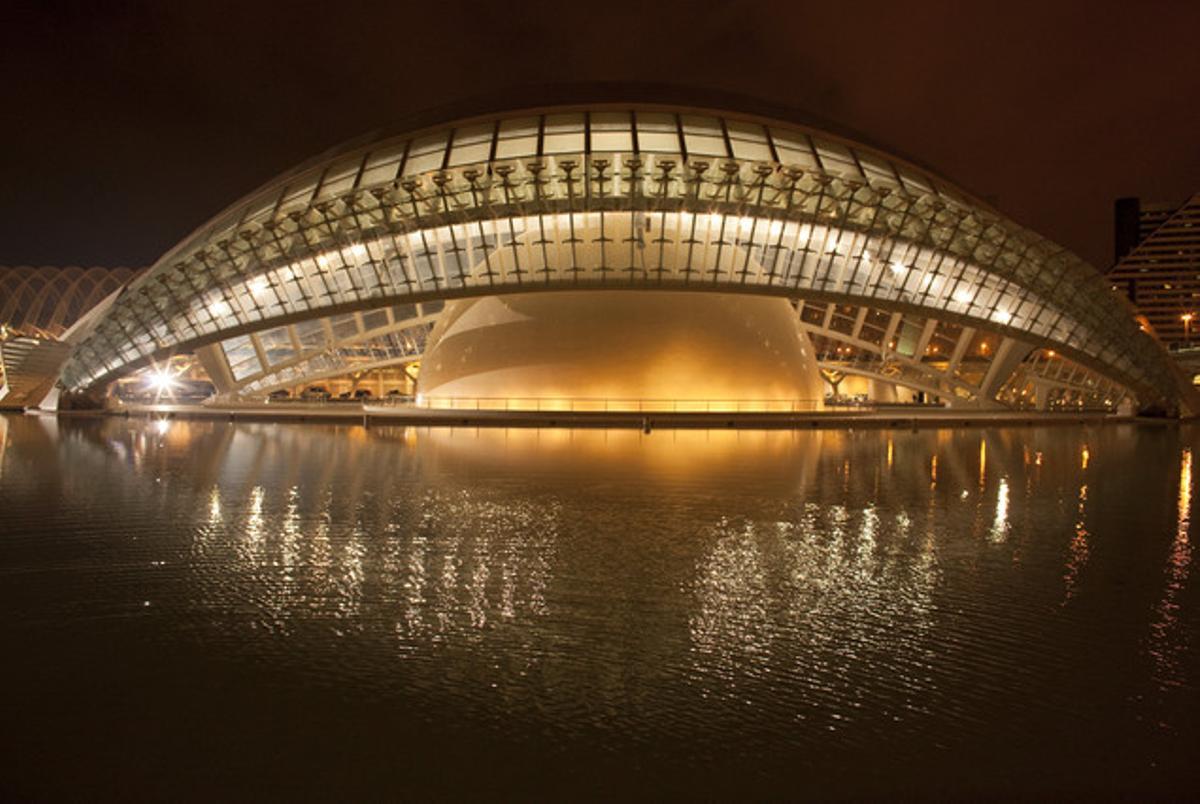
{"points": [[212, 360], [1009, 355], [923, 342], [890, 334], [960, 348]]}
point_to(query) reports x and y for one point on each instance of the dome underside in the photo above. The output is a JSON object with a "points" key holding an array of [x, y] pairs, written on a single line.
{"points": [[621, 351]]}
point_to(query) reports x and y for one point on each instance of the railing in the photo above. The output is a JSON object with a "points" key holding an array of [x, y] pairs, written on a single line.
{"points": [[606, 405]]}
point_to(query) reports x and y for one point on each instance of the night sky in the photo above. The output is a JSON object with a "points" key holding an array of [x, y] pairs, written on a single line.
{"points": [[127, 125]]}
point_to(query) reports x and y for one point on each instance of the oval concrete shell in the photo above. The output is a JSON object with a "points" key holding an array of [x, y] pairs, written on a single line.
{"points": [[621, 350]]}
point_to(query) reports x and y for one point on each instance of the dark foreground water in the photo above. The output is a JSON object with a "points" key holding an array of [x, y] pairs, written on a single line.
{"points": [[210, 611]]}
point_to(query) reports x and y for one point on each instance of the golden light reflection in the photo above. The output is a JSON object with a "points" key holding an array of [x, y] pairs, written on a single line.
{"points": [[982, 464], [254, 522], [1084, 457], [889, 452], [1000, 526], [933, 472], [625, 452], [1079, 549], [1166, 644], [214, 507], [808, 581]]}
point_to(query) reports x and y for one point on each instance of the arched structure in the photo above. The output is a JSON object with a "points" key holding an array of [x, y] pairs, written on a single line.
{"points": [[38, 308], [45, 302], [896, 260]]}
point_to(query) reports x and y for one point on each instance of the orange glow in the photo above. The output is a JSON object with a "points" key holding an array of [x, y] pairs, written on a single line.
{"points": [[982, 463], [1084, 458], [616, 351]]}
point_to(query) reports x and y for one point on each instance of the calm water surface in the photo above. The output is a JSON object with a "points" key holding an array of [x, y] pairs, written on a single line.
{"points": [[202, 610]]}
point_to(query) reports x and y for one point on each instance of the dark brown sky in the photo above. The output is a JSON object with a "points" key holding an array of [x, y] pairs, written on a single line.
{"points": [[126, 125]]}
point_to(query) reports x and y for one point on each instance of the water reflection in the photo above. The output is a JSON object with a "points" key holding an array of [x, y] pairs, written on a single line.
{"points": [[783, 591], [1167, 645], [1079, 549]]}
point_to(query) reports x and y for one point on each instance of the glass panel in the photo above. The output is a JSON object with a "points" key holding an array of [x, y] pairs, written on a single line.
{"points": [[793, 149], [813, 313], [472, 144], [311, 334], [344, 326], [657, 133], [611, 131], [403, 312], [375, 319], [426, 154], [518, 127], [908, 334], [836, 158], [277, 345], [567, 143], [749, 141], [383, 164], [243, 360], [703, 136], [658, 142], [843, 319], [340, 177], [612, 141], [877, 170], [945, 337]]}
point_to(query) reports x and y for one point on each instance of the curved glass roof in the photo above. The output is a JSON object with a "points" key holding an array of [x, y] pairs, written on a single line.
{"points": [[463, 210], [47, 301]]}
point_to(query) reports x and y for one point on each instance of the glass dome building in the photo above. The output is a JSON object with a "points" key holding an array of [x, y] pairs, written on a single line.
{"points": [[902, 286]]}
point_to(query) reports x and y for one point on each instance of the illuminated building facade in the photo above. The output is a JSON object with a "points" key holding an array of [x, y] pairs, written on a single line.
{"points": [[895, 281], [1158, 265]]}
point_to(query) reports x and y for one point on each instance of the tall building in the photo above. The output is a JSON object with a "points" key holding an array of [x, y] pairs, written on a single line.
{"points": [[1158, 265]]}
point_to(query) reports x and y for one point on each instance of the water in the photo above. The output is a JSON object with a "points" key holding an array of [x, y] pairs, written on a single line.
{"points": [[200, 610]]}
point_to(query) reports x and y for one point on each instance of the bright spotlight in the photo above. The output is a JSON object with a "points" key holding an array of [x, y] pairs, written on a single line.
{"points": [[161, 381]]}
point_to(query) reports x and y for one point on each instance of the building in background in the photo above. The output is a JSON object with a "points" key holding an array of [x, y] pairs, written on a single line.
{"points": [[39, 310], [1158, 265]]}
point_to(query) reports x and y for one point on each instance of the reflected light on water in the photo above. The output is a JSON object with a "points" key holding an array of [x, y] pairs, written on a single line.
{"points": [[1166, 644], [982, 464], [616, 590], [1078, 549], [214, 506], [999, 530]]}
